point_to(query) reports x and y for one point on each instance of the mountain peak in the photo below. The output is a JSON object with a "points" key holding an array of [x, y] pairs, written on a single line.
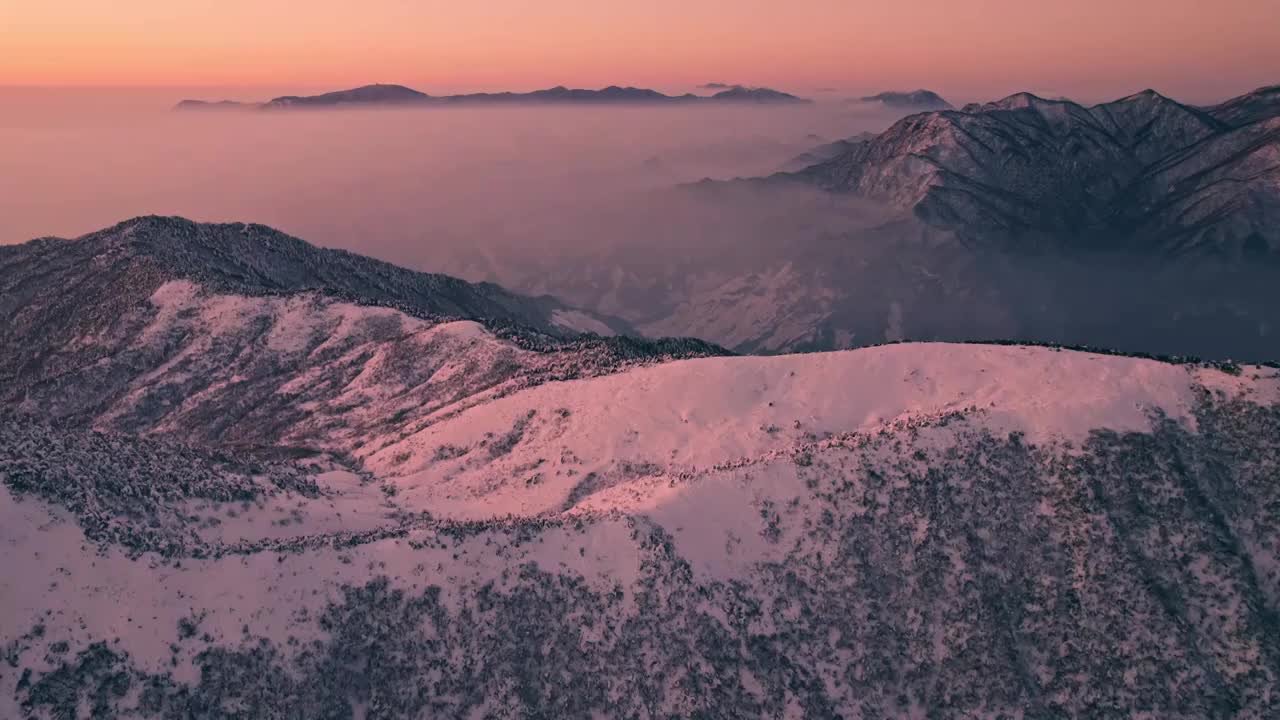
{"points": [[365, 94], [911, 100], [1017, 101], [1026, 169], [174, 231], [1021, 100], [1147, 97], [257, 260], [757, 95]]}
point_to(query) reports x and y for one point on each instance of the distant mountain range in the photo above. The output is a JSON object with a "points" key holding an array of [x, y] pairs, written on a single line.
{"points": [[1143, 224], [400, 96], [913, 100]]}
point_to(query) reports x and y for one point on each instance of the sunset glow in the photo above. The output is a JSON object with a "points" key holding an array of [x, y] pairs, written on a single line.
{"points": [[1092, 47], [617, 359]]}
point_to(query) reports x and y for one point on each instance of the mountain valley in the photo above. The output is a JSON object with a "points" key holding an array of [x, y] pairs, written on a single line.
{"points": [[1026, 218]]}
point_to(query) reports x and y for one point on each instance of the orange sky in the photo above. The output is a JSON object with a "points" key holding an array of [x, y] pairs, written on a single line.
{"points": [[1198, 48]]}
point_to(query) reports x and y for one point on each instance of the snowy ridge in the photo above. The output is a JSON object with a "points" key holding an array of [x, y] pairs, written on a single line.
{"points": [[690, 416], [240, 335], [654, 506], [992, 173], [301, 371], [125, 263]]}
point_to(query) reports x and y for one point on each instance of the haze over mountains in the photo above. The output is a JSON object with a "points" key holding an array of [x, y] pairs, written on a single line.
{"points": [[244, 476], [491, 398], [401, 96], [1141, 224], [826, 151]]}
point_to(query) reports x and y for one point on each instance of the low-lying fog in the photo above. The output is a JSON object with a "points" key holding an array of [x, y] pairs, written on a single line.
{"points": [[404, 185], [582, 202]]}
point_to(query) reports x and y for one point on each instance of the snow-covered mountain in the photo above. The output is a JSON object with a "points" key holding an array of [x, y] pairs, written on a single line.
{"points": [[1029, 170], [912, 530], [137, 255], [1221, 195], [1143, 224], [238, 334], [1249, 108], [241, 476]]}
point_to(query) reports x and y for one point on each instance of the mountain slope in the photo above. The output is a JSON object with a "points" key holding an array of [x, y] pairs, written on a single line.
{"points": [[1141, 224], [802, 282], [1251, 107], [1023, 169], [254, 260], [241, 335], [1221, 196], [940, 530], [244, 477]]}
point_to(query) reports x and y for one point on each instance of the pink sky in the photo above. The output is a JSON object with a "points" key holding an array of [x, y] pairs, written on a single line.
{"points": [[977, 48]]}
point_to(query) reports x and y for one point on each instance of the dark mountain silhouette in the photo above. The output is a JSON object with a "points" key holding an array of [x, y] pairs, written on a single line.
{"points": [[754, 95], [211, 105], [913, 100], [401, 96], [366, 95]]}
